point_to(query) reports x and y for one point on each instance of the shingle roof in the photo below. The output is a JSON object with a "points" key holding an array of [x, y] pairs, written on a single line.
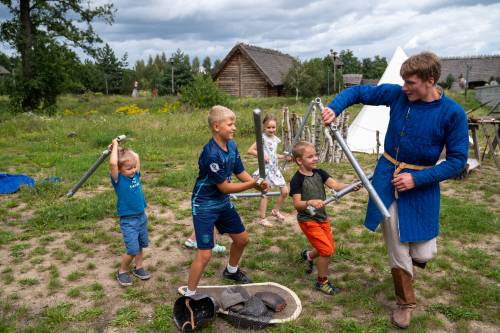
{"points": [[352, 79], [272, 64], [3, 71]]}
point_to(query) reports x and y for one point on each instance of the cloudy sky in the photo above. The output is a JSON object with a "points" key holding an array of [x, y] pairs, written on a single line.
{"points": [[302, 28]]}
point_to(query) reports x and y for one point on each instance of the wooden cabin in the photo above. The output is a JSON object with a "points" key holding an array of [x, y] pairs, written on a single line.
{"points": [[352, 80], [251, 71]]}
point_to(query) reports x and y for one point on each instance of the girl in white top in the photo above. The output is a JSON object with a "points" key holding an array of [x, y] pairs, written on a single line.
{"points": [[273, 172]]}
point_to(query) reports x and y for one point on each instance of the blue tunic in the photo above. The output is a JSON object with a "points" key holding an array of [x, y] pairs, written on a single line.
{"points": [[215, 166], [416, 134]]}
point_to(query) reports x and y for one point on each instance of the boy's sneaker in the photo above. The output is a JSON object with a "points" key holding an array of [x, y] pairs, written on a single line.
{"points": [[141, 273], [239, 276], [303, 257], [326, 288], [190, 244], [124, 279], [219, 248]]}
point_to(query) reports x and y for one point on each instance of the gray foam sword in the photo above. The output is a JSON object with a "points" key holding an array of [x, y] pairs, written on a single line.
{"points": [[93, 168]]}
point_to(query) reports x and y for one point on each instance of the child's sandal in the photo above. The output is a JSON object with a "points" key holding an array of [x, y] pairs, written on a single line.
{"points": [[278, 215], [265, 223]]}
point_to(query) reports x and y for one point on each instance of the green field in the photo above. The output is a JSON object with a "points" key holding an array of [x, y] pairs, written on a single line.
{"points": [[60, 255]]}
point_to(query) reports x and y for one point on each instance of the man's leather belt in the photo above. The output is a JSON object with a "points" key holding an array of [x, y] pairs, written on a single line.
{"points": [[402, 165]]}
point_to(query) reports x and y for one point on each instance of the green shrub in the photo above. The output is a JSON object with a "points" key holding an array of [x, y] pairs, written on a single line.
{"points": [[202, 93]]}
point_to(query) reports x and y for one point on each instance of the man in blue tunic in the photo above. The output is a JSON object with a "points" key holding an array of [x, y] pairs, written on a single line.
{"points": [[422, 121]]}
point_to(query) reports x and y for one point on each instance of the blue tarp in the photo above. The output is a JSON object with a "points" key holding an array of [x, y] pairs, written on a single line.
{"points": [[11, 183]]}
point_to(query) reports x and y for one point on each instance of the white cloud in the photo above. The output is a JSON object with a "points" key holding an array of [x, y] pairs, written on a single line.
{"points": [[303, 28]]}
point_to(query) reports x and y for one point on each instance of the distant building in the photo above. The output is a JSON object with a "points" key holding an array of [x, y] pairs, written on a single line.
{"points": [[482, 68], [352, 80], [4, 71], [369, 82], [251, 71]]}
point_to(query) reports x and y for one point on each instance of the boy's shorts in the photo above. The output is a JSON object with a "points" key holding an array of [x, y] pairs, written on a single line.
{"points": [[320, 236], [135, 232], [226, 220]]}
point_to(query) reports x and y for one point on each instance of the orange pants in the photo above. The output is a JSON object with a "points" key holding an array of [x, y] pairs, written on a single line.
{"points": [[320, 236]]}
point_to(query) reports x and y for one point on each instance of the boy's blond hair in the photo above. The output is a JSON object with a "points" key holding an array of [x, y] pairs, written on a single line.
{"points": [[299, 148], [125, 155], [219, 113], [425, 66]]}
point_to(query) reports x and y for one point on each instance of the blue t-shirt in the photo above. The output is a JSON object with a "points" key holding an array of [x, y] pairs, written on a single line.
{"points": [[215, 166], [130, 197]]}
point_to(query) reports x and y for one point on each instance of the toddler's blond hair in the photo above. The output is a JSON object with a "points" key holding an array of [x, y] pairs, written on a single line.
{"points": [[299, 148], [124, 156]]}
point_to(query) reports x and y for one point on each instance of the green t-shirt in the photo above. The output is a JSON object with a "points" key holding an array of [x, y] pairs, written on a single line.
{"points": [[310, 188]]}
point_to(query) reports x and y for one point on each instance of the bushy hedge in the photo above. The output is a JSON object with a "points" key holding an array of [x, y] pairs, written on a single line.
{"points": [[202, 93]]}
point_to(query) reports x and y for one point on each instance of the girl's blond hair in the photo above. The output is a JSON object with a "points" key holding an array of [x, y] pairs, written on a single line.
{"points": [[269, 118]]}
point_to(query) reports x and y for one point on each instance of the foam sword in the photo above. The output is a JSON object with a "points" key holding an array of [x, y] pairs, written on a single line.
{"points": [[93, 168], [336, 196], [257, 114], [359, 171]]}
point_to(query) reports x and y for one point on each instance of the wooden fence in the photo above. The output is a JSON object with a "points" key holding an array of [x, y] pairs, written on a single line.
{"points": [[314, 132]]}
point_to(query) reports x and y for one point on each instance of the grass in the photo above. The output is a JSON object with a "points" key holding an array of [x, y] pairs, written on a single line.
{"points": [[61, 254]]}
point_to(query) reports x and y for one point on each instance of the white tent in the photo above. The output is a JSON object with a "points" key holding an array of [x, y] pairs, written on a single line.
{"points": [[362, 135]]}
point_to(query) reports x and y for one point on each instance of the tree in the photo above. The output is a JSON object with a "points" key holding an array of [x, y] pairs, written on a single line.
{"points": [[302, 78], [207, 66], [202, 92], [90, 76], [352, 65], [5, 81], [40, 30], [216, 65], [111, 68], [374, 69], [195, 65], [181, 67]]}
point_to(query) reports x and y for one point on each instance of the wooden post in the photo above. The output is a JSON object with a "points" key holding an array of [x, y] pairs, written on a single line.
{"points": [[313, 128], [473, 128], [377, 136], [317, 134]]}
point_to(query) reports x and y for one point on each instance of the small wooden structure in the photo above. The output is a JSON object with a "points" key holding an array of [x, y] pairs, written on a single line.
{"points": [[352, 80], [251, 71], [3, 71]]}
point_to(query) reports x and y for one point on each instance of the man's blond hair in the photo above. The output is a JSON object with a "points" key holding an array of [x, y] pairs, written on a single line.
{"points": [[299, 149], [425, 66], [219, 113], [124, 156]]}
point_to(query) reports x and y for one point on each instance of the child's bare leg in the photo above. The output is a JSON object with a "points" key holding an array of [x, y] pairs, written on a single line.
{"points": [[192, 237], [322, 266], [125, 264], [263, 207], [281, 198], [240, 241], [313, 254], [138, 259], [197, 267]]}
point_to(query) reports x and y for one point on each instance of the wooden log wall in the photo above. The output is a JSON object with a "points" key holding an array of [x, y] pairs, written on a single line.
{"points": [[240, 78]]}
